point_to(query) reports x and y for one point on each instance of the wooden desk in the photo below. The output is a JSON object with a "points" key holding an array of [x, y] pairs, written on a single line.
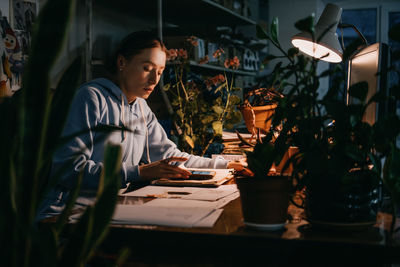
{"points": [[230, 243]]}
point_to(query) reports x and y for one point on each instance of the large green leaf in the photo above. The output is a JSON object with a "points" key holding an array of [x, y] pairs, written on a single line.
{"points": [[275, 30], [306, 25], [93, 225], [72, 253], [62, 97], [63, 218], [51, 24], [61, 100], [359, 91], [107, 196], [351, 49]]}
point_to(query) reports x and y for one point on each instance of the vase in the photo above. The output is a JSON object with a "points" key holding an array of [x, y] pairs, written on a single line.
{"points": [[264, 200], [336, 205], [262, 117]]}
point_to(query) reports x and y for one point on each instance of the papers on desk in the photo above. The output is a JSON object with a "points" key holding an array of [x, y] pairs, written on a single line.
{"points": [[165, 216], [194, 193], [176, 206], [220, 177]]}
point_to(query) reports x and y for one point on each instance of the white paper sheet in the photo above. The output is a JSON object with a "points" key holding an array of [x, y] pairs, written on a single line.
{"points": [[210, 220], [194, 193], [173, 202], [164, 216], [207, 221]]}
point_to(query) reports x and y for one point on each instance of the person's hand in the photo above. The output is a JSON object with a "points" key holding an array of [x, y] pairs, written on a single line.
{"points": [[162, 169], [237, 165]]}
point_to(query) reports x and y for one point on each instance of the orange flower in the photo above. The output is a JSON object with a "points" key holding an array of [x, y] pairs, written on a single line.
{"points": [[172, 54], [221, 78], [193, 40], [182, 53], [234, 63], [218, 53], [227, 63], [215, 80]]}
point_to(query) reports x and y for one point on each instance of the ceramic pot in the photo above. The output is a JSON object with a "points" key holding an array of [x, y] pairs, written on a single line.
{"points": [[335, 203], [262, 117], [265, 201]]}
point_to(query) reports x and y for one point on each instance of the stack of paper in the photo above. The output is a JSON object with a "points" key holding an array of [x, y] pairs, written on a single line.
{"points": [[176, 206], [165, 216]]}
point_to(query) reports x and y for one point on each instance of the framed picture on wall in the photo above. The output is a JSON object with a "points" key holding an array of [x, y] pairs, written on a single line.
{"points": [[14, 43]]}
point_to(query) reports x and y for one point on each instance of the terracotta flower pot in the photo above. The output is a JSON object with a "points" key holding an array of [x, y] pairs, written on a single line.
{"points": [[265, 201], [262, 115]]}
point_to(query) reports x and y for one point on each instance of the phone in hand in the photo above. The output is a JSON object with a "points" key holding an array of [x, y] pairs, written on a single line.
{"points": [[201, 175]]}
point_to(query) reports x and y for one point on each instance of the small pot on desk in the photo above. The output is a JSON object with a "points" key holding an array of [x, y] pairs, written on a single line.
{"points": [[265, 201]]}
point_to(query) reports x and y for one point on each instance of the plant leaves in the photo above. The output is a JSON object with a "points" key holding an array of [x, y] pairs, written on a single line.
{"points": [[359, 91], [218, 109], [293, 51], [189, 141], [261, 33], [268, 58], [234, 99], [107, 197], [74, 248], [207, 119], [52, 21], [351, 49], [63, 218], [217, 127], [275, 30], [166, 87], [306, 25]]}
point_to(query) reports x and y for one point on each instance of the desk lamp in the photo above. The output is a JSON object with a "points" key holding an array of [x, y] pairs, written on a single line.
{"points": [[364, 65], [324, 44]]}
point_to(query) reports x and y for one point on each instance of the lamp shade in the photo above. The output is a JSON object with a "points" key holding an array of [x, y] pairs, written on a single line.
{"points": [[328, 47]]}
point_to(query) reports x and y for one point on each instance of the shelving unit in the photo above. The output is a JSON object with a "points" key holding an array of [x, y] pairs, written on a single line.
{"points": [[222, 69], [202, 12], [189, 12], [201, 16]]}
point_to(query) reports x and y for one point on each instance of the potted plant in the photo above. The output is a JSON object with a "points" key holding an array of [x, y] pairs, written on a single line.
{"points": [[264, 191], [338, 164], [203, 106], [32, 122], [257, 108]]}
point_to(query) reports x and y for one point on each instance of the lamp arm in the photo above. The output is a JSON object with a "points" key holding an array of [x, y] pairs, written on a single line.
{"points": [[346, 25]]}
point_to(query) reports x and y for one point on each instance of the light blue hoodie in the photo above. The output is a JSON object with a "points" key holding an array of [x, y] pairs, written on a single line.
{"points": [[102, 102]]}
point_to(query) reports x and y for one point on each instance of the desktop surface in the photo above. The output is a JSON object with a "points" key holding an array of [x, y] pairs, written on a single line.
{"points": [[230, 243]]}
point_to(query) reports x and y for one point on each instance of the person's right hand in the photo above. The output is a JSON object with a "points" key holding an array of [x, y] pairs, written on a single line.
{"points": [[162, 169]]}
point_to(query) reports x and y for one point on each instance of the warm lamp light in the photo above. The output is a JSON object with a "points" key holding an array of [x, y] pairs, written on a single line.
{"points": [[328, 46]]}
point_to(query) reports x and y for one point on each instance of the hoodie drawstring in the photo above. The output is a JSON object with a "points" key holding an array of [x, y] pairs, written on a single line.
{"points": [[147, 133], [123, 116]]}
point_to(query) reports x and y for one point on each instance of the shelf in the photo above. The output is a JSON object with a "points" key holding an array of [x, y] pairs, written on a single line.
{"points": [[193, 63], [182, 12], [202, 12], [219, 68]]}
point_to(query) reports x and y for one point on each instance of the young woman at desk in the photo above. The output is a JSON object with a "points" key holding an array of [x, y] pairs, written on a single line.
{"points": [[120, 100]]}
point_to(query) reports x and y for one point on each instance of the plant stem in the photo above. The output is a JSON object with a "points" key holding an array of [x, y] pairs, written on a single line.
{"points": [[208, 144]]}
